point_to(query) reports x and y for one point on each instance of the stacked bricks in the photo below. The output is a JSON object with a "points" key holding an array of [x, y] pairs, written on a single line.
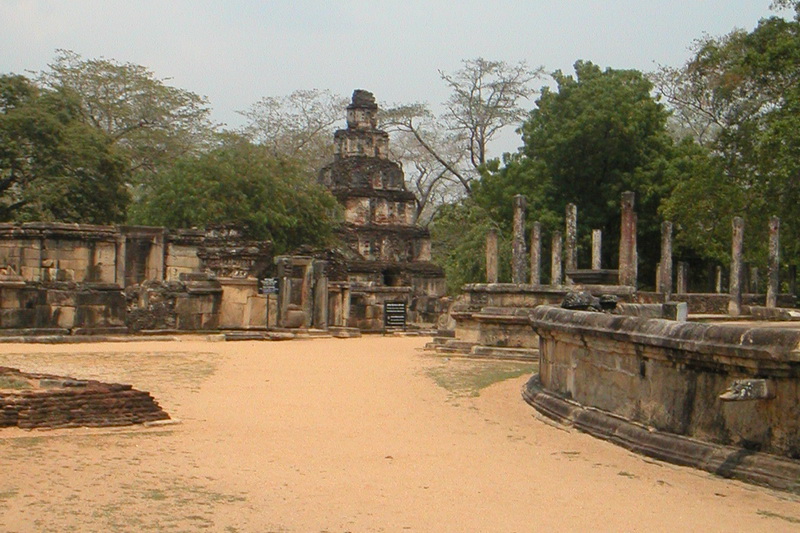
{"points": [[61, 402]]}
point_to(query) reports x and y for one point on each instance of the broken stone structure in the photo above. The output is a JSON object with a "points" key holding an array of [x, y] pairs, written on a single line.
{"points": [[388, 255], [83, 279], [31, 401]]}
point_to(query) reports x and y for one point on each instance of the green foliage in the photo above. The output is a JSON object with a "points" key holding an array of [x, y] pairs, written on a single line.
{"points": [[151, 124], [240, 183], [53, 165], [741, 91], [598, 134], [458, 234]]}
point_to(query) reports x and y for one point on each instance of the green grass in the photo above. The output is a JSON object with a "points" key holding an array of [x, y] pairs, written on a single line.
{"points": [[9, 382], [468, 378]]}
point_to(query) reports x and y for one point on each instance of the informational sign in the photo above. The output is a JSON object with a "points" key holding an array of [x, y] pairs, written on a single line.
{"points": [[394, 315], [268, 286]]}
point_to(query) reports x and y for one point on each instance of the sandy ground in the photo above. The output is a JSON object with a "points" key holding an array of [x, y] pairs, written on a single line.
{"points": [[367, 434]]}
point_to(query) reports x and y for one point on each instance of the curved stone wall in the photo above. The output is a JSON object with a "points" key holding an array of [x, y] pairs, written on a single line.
{"points": [[670, 376]]}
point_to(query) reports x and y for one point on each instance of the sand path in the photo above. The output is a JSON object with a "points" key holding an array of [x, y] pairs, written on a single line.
{"points": [[332, 435]]}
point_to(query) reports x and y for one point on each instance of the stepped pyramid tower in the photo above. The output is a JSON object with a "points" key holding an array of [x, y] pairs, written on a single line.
{"points": [[386, 248]]}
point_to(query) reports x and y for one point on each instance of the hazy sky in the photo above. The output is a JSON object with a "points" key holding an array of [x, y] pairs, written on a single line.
{"points": [[236, 51]]}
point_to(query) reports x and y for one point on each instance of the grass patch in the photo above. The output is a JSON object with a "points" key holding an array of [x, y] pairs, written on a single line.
{"points": [[468, 378], [770, 514], [9, 382]]}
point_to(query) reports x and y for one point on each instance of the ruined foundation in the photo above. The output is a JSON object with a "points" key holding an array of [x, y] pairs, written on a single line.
{"points": [[43, 401]]}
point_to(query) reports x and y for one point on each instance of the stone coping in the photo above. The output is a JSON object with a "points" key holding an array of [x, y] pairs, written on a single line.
{"points": [[765, 350], [526, 288], [725, 461]]}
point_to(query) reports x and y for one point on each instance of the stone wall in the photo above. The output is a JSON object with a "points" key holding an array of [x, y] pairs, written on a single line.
{"points": [[670, 376], [33, 401]]}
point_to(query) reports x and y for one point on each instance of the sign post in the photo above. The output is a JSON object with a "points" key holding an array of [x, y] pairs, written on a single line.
{"points": [[266, 287], [394, 315]]}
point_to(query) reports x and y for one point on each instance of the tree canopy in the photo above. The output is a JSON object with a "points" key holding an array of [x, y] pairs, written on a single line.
{"points": [[269, 197], [53, 165]]}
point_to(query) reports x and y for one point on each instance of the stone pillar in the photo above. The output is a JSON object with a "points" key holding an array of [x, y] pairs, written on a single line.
{"points": [[735, 302], [306, 293], [597, 249], [665, 274], [284, 265], [718, 280], [119, 271], [753, 285], [571, 227], [792, 279], [536, 253], [519, 259], [491, 256], [773, 286], [555, 262], [628, 257], [345, 304], [683, 278], [320, 295]]}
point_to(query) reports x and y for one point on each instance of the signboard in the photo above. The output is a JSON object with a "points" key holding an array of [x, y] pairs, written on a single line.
{"points": [[394, 315], [268, 286]]}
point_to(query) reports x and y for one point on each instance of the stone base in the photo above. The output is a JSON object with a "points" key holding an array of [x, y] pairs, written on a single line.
{"points": [[341, 332], [725, 461], [258, 336]]}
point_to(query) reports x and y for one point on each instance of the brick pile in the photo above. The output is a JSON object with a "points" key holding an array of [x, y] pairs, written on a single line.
{"points": [[46, 401]]}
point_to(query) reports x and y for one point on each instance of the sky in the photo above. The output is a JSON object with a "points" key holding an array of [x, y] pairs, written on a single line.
{"points": [[235, 52]]}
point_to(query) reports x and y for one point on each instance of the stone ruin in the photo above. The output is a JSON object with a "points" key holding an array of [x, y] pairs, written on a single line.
{"points": [[39, 401], [58, 279], [388, 257]]}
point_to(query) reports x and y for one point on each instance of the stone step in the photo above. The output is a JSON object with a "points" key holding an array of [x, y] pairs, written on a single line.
{"points": [[341, 332], [531, 354]]}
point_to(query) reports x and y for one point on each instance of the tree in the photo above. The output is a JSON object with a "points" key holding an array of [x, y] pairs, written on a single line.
{"points": [[151, 123], [485, 99], [740, 92], [54, 166], [241, 183], [596, 135], [299, 126]]}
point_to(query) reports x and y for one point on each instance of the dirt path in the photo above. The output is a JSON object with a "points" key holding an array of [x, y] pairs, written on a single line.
{"points": [[365, 434]]}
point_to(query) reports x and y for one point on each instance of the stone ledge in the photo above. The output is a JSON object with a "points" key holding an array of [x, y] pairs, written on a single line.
{"points": [[725, 461], [769, 348]]}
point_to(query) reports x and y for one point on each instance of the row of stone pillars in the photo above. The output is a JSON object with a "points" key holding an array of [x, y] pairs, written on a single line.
{"points": [[561, 258], [737, 266]]}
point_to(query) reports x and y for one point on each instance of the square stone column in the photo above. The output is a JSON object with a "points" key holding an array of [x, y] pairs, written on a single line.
{"points": [[320, 295], [735, 302], [555, 259], [773, 286], [665, 266], [628, 256], [519, 256], [683, 278], [491, 256], [284, 267], [571, 232], [536, 253], [597, 249]]}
